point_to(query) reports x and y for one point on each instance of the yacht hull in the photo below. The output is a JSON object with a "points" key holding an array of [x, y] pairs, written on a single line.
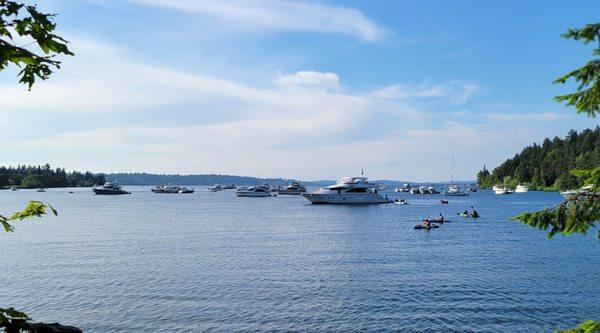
{"points": [[355, 198], [290, 192], [100, 191]]}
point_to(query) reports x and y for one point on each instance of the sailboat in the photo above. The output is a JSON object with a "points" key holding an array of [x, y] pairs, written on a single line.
{"points": [[453, 189]]}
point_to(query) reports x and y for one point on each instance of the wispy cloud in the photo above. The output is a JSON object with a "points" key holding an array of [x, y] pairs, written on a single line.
{"points": [[456, 91], [542, 116], [281, 15]]}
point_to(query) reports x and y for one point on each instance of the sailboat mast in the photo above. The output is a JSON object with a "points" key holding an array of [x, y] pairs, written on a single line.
{"points": [[452, 170]]}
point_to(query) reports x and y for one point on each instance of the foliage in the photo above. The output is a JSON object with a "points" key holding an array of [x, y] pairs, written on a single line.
{"points": [[33, 209], [547, 165], [588, 326], [7, 316], [45, 176], [30, 24], [587, 97]]}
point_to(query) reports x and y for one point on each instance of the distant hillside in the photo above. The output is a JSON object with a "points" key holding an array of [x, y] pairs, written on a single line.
{"points": [[146, 179], [193, 180], [547, 166]]}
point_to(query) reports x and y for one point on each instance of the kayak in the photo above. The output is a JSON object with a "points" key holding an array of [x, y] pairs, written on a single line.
{"points": [[462, 214], [401, 202], [439, 221], [419, 226]]}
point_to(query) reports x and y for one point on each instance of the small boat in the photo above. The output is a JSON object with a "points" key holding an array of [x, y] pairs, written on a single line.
{"points": [[500, 190], [14, 189], [228, 187], [294, 188], [444, 202], [109, 189], [420, 226], [185, 190], [454, 191], [404, 188], [415, 190], [41, 189], [462, 214], [166, 189], [254, 191], [521, 189], [400, 202], [584, 191], [215, 188]]}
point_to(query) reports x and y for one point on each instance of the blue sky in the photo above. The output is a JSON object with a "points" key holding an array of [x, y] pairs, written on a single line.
{"points": [[300, 89]]}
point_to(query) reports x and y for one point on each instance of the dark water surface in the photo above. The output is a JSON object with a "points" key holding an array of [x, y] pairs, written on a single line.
{"points": [[150, 262]]}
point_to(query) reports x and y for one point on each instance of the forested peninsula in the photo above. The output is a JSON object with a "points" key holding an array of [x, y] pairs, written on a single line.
{"points": [[547, 166], [45, 176]]}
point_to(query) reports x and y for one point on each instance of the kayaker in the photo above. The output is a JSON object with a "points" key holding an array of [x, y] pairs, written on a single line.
{"points": [[475, 214], [466, 212]]}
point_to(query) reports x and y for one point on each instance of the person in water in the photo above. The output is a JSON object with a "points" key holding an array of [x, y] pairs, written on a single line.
{"points": [[441, 218], [475, 214], [426, 223]]}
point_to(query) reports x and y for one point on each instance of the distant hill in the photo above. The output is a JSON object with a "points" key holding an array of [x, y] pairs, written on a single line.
{"points": [[146, 179], [546, 166], [193, 180]]}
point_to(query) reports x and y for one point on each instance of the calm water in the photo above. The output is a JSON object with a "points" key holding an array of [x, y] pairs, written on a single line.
{"points": [[214, 262]]}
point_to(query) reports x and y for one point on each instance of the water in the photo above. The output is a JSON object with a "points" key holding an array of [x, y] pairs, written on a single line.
{"points": [[150, 262]]}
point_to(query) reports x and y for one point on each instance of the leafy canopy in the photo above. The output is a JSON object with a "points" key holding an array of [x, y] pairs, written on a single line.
{"points": [[587, 97], [35, 27]]}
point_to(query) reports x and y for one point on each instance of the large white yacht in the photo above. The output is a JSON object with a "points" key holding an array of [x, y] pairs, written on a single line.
{"points": [[348, 190], [254, 191]]}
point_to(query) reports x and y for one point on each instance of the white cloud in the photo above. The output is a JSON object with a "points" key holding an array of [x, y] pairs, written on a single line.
{"points": [[310, 80], [103, 110], [280, 15], [455, 92]]}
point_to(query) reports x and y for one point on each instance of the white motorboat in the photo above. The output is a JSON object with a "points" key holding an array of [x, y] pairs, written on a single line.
{"points": [[500, 190], [582, 191], [215, 188], [254, 191], [423, 190], [41, 189], [432, 190], [348, 190], [14, 189], [295, 188], [166, 189], [400, 202], [185, 190], [415, 190], [228, 187], [109, 189], [521, 189]]}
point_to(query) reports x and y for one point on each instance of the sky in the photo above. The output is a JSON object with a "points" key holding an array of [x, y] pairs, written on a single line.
{"points": [[298, 89]]}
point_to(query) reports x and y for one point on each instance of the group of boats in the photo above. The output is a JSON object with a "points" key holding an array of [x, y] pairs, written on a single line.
{"points": [[503, 190]]}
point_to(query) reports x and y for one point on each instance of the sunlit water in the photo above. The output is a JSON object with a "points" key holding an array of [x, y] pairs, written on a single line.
{"points": [[150, 262]]}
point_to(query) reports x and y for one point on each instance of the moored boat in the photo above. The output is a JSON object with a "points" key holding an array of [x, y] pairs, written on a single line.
{"points": [[109, 189], [521, 189], [294, 188], [254, 191], [348, 190]]}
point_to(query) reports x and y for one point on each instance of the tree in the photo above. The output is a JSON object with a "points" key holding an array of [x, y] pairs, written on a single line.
{"points": [[581, 212], [37, 28]]}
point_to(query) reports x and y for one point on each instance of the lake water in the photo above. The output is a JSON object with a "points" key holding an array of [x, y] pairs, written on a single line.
{"points": [[150, 262]]}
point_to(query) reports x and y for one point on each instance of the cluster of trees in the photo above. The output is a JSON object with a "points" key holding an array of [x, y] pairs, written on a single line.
{"points": [[195, 180], [548, 165], [45, 176]]}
